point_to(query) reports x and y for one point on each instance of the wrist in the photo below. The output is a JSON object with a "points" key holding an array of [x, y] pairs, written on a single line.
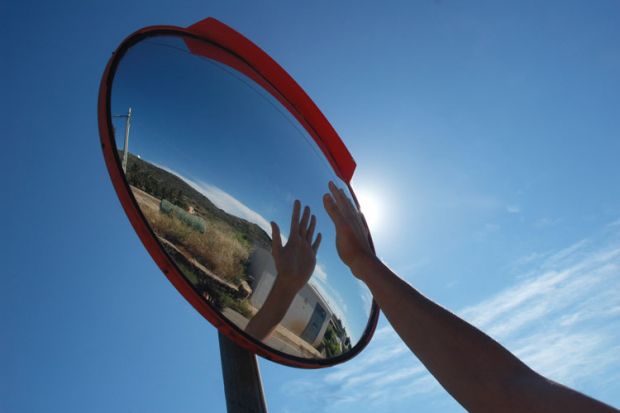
{"points": [[283, 288], [364, 265]]}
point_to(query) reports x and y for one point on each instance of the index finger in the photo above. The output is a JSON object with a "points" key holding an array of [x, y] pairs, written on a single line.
{"points": [[334, 212], [343, 203]]}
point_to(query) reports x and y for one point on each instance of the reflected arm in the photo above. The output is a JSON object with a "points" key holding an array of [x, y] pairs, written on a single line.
{"points": [[476, 370], [295, 263], [273, 310]]}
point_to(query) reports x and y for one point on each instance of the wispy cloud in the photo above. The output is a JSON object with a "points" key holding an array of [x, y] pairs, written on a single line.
{"points": [[384, 372], [513, 209], [223, 200], [545, 222], [336, 301], [561, 316], [230, 204], [319, 272], [615, 223], [468, 201]]}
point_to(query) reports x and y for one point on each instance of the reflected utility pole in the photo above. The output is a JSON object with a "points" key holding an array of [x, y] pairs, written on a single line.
{"points": [[126, 146]]}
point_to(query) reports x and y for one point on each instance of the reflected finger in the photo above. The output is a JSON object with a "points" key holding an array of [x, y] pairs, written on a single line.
{"points": [[338, 196], [303, 226], [347, 206], [333, 211], [276, 241], [346, 200], [310, 232], [295, 217], [317, 243], [353, 212]]}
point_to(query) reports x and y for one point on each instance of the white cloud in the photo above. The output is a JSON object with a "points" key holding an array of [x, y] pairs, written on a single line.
{"points": [[365, 294], [545, 222], [337, 303], [567, 356], [535, 316], [319, 272], [513, 209], [383, 372], [230, 204], [615, 223], [224, 201], [469, 201], [562, 318]]}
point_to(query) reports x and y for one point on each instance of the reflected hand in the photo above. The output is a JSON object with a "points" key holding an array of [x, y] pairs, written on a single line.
{"points": [[296, 260], [352, 238], [294, 264]]}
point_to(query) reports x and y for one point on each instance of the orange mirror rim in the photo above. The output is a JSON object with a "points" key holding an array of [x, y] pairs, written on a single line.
{"points": [[215, 40]]}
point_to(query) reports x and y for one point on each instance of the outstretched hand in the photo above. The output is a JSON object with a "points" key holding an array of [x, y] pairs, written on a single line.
{"points": [[352, 238], [296, 260]]}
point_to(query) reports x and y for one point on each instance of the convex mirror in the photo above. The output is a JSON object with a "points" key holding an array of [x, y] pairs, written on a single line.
{"points": [[207, 141]]}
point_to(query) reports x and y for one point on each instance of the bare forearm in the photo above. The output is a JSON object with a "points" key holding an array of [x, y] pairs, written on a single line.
{"points": [[475, 369], [464, 360]]}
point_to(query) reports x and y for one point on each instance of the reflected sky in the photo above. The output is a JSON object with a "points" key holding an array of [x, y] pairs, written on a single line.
{"points": [[234, 143]]}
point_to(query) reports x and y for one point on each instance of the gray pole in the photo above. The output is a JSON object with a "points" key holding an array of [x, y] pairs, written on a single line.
{"points": [[126, 148], [242, 383]]}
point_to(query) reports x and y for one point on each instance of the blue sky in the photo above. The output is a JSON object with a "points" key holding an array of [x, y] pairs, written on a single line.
{"points": [[486, 133]]}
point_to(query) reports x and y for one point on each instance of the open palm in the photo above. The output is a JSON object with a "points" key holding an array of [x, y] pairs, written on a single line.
{"points": [[296, 260]]}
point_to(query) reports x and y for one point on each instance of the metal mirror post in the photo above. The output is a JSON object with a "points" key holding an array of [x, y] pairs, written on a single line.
{"points": [[242, 383]]}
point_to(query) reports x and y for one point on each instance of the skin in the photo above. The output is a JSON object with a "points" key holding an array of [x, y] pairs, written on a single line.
{"points": [[475, 369], [295, 264]]}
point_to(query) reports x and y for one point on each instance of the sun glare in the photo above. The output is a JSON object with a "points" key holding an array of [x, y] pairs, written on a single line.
{"points": [[370, 205]]}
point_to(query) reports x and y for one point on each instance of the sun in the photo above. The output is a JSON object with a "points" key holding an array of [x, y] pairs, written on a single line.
{"points": [[370, 205]]}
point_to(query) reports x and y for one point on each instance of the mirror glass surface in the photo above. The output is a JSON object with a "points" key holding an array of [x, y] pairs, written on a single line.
{"points": [[211, 158]]}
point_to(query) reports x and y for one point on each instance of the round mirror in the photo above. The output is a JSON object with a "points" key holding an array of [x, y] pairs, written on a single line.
{"points": [[211, 154]]}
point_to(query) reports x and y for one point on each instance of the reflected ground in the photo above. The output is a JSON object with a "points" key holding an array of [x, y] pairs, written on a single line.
{"points": [[211, 159]]}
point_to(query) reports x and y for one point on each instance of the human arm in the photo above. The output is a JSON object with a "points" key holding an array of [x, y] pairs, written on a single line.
{"points": [[476, 370], [295, 263]]}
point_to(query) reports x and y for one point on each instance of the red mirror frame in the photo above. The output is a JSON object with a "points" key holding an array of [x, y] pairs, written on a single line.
{"points": [[215, 40]]}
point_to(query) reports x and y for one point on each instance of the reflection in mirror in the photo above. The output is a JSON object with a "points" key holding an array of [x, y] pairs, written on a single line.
{"points": [[211, 159]]}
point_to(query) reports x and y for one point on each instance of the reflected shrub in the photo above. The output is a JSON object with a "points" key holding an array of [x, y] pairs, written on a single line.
{"points": [[216, 246], [192, 221]]}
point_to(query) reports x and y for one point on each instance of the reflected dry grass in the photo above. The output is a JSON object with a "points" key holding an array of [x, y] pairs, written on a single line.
{"points": [[218, 248]]}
